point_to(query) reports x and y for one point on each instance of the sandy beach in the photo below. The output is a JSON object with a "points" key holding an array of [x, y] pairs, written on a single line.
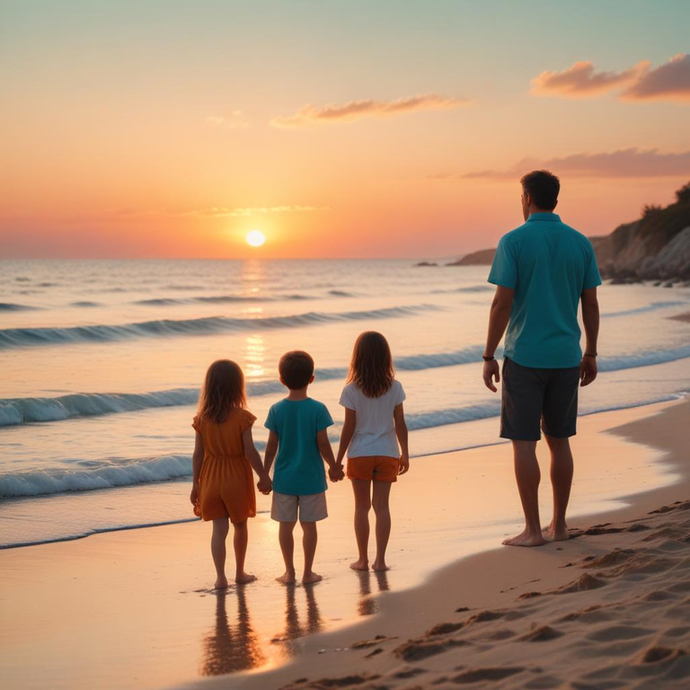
{"points": [[134, 608]]}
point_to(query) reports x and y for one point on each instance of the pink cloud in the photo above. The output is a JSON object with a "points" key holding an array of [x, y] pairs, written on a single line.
{"points": [[581, 80], [358, 110], [631, 162], [670, 81]]}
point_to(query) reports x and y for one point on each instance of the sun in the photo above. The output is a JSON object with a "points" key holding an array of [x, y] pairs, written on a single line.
{"points": [[255, 238]]}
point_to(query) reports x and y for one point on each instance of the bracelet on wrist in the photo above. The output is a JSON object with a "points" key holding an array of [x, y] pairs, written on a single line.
{"points": [[486, 358], [591, 354]]}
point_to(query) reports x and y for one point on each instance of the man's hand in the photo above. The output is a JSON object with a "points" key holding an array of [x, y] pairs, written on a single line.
{"points": [[491, 371], [336, 473], [403, 464], [194, 495], [588, 370], [265, 485]]}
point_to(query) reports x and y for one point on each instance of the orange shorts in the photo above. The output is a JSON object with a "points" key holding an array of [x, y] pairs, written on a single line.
{"points": [[379, 468]]}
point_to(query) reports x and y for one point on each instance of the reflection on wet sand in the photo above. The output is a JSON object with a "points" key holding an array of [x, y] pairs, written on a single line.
{"points": [[230, 648], [367, 603], [294, 628]]}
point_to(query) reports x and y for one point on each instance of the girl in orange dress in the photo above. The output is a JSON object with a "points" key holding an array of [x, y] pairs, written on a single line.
{"points": [[224, 456]]}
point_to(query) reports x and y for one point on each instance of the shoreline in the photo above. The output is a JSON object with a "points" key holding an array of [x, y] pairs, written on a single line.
{"points": [[21, 501], [145, 577], [503, 571]]}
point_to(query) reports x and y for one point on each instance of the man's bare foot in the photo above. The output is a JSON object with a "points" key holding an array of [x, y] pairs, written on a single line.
{"points": [[553, 534], [244, 578], [360, 565], [221, 583], [287, 578], [525, 539], [379, 566], [310, 578]]}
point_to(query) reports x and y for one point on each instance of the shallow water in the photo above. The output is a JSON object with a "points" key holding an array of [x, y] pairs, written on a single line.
{"points": [[102, 361]]}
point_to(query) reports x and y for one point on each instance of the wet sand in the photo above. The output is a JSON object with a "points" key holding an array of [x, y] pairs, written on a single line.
{"points": [[134, 609]]}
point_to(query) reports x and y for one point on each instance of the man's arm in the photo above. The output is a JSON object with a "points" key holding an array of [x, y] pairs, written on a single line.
{"points": [[590, 320], [499, 317]]}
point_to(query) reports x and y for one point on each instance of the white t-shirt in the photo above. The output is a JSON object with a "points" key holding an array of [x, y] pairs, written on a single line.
{"points": [[374, 427]]}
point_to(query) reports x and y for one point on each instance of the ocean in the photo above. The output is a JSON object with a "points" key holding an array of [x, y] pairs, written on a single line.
{"points": [[102, 362]]}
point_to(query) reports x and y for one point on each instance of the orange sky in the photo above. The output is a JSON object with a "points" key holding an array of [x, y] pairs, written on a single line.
{"points": [[150, 129]]}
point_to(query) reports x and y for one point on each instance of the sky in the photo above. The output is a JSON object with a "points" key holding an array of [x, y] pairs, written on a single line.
{"points": [[337, 129]]}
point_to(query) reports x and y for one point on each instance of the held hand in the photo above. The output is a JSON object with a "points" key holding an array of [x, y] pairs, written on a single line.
{"points": [[194, 495], [336, 473], [491, 371], [265, 485], [588, 370], [403, 464]]}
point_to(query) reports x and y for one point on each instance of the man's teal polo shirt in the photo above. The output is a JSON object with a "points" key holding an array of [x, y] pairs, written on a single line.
{"points": [[548, 264]]}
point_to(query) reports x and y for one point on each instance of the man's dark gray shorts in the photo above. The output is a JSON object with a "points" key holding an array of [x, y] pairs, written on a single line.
{"points": [[538, 398]]}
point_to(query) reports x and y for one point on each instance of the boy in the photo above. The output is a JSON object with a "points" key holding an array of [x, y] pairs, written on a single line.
{"points": [[298, 431]]}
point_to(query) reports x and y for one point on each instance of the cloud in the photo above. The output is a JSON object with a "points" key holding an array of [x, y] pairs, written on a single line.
{"points": [[358, 110], [233, 120], [670, 81], [581, 80], [247, 211], [631, 163]]}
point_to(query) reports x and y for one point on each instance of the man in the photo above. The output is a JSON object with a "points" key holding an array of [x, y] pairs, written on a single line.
{"points": [[542, 270]]}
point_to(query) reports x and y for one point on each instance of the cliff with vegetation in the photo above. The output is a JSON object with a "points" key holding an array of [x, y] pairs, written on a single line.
{"points": [[654, 247]]}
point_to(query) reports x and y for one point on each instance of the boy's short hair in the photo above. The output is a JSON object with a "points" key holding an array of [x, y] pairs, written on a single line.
{"points": [[543, 186], [296, 368]]}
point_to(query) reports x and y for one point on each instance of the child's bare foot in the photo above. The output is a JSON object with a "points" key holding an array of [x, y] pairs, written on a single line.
{"points": [[360, 565], [310, 578], [379, 566], [221, 583], [525, 539], [287, 578], [244, 578]]}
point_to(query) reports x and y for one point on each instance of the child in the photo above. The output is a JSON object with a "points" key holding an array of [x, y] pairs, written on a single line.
{"points": [[224, 455], [298, 432], [374, 417]]}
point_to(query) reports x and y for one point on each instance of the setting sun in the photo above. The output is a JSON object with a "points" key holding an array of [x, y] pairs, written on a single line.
{"points": [[256, 238]]}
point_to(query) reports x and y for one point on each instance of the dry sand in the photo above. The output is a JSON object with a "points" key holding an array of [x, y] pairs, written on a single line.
{"points": [[133, 610], [609, 608]]}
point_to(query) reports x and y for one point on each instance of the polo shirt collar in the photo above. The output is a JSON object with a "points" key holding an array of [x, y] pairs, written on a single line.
{"points": [[544, 216]]}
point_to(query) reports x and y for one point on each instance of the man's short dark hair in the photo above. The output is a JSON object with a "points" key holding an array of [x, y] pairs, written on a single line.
{"points": [[296, 368], [543, 187]]}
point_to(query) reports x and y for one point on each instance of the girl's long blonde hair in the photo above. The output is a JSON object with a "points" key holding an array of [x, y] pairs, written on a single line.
{"points": [[371, 368], [223, 389]]}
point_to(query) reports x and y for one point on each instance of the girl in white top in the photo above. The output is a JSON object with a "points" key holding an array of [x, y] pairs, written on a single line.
{"points": [[374, 425]]}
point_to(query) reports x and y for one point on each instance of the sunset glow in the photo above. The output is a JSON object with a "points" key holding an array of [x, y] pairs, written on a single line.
{"points": [[110, 152]]}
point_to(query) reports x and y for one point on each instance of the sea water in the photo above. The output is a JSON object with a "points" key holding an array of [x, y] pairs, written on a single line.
{"points": [[102, 362]]}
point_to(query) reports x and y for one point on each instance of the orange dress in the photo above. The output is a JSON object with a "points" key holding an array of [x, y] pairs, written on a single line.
{"points": [[226, 482]]}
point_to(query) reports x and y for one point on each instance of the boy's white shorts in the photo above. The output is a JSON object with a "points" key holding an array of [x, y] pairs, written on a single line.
{"points": [[311, 507]]}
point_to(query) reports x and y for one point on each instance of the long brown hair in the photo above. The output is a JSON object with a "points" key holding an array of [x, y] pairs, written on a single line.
{"points": [[223, 389], [371, 368]]}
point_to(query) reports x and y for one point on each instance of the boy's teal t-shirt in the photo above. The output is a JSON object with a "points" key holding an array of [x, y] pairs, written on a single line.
{"points": [[299, 469], [548, 264]]}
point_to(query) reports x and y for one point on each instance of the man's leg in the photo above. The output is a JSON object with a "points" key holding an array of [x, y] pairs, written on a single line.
{"points": [[528, 476], [559, 423], [561, 481]]}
